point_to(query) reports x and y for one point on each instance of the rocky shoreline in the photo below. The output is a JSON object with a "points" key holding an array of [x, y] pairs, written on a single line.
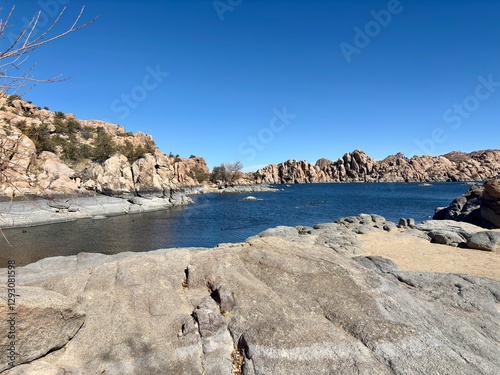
{"points": [[291, 300], [31, 211]]}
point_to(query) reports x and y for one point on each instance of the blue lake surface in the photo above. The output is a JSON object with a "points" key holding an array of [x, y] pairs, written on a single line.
{"points": [[218, 218]]}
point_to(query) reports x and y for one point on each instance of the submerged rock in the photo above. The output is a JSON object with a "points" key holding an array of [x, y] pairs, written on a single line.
{"points": [[251, 198]]}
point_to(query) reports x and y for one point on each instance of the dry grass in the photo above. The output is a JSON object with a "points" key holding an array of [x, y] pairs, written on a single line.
{"points": [[238, 361]]}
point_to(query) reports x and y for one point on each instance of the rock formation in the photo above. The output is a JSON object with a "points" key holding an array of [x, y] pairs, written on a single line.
{"points": [[358, 167], [460, 234], [46, 153], [284, 302], [480, 206], [490, 203]]}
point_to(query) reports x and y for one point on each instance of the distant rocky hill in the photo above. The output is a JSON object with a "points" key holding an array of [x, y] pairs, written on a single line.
{"points": [[44, 152], [359, 167]]}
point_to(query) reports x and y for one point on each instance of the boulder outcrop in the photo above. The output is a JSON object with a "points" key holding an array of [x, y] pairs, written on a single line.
{"points": [[480, 206], [490, 203], [282, 304], [47, 153], [461, 234], [359, 167]]}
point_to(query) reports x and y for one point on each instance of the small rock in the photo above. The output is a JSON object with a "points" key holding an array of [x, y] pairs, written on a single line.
{"points": [[402, 223], [364, 229], [225, 298], [378, 218], [488, 241], [389, 226], [251, 198], [446, 237], [58, 205], [210, 320], [365, 218]]}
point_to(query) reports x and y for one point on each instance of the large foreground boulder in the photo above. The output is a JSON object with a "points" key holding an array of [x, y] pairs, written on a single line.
{"points": [[267, 306]]}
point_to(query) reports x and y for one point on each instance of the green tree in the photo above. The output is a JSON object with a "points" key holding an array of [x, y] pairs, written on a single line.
{"points": [[74, 151], [199, 174], [218, 174], [227, 173], [104, 147], [40, 135], [133, 153]]}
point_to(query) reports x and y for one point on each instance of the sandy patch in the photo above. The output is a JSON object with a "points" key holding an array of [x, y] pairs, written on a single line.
{"points": [[412, 253]]}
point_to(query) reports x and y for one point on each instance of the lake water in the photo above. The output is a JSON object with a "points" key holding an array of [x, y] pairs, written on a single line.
{"points": [[218, 218]]}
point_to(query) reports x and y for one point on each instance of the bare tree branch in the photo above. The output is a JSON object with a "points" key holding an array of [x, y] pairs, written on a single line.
{"points": [[25, 42]]}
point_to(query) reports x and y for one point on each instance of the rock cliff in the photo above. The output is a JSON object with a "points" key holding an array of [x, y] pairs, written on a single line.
{"points": [[44, 152], [359, 167]]}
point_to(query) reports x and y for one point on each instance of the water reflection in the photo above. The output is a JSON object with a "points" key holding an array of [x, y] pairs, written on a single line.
{"points": [[140, 232]]}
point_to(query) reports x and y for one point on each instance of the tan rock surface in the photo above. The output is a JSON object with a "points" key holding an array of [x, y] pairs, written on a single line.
{"points": [[357, 166], [290, 307], [36, 143], [42, 321]]}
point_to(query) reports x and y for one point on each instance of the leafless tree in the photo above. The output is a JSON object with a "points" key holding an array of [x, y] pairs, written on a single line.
{"points": [[16, 76], [234, 170]]}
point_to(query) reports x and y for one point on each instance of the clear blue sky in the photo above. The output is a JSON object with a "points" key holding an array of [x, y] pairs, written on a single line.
{"points": [[263, 81]]}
